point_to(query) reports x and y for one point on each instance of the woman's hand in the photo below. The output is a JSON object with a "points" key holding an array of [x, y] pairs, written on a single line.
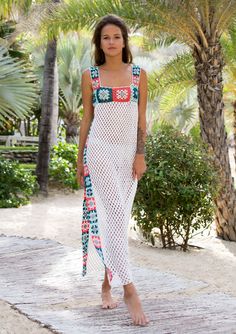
{"points": [[80, 173], [139, 166]]}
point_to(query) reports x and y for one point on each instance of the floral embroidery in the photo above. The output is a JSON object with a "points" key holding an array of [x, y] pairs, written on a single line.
{"points": [[87, 181], [94, 72], [92, 216], [89, 221], [136, 80], [136, 70], [94, 229], [135, 93], [104, 94], [96, 241], [115, 94], [90, 203], [122, 94], [86, 172], [89, 191], [95, 83], [85, 226]]}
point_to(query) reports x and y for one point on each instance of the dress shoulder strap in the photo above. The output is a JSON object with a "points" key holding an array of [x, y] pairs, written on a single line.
{"points": [[94, 75], [136, 71]]}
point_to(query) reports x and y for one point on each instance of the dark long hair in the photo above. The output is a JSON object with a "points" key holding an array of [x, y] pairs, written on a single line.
{"points": [[99, 56]]}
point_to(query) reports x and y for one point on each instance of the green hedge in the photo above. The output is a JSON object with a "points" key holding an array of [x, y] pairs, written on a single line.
{"points": [[62, 168], [16, 184]]}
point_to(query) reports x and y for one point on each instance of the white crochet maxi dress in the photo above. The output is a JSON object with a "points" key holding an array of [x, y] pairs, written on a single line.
{"points": [[109, 185]]}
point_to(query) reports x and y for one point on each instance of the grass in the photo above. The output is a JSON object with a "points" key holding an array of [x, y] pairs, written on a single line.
{"points": [[28, 166], [19, 148]]}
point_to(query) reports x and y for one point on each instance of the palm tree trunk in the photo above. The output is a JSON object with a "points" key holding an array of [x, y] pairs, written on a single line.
{"points": [[234, 126], [55, 107], [46, 123], [71, 133], [209, 65]]}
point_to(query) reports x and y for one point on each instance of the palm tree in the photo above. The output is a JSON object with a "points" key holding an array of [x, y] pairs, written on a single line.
{"points": [[198, 24], [49, 113], [175, 87], [229, 50], [73, 58], [18, 90], [176, 79]]}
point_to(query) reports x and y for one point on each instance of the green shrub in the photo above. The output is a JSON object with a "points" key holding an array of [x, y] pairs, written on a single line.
{"points": [[16, 184], [174, 198], [62, 168]]}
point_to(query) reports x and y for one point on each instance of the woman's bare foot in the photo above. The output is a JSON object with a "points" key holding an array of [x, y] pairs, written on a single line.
{"points": [[134, 306], [107, 301]]}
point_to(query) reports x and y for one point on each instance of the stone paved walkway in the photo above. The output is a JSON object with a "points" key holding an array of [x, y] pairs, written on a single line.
{"points": [[42, 279]]}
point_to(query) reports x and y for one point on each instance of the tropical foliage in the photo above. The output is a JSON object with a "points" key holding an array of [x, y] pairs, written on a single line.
{"points": [[18, 90], [62, 169], [73, 57], [200, 25], [175, 198], [17, 184]]}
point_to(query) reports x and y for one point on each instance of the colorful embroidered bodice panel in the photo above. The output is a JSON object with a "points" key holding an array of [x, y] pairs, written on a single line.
{"points": [[104, 94]]}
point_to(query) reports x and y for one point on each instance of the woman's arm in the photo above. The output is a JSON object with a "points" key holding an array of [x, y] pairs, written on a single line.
{"points": [[88, 113], [139, 164]]}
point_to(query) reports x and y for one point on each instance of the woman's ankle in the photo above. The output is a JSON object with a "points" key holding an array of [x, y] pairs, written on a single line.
{"points": [[129, 289], [106, 286]]}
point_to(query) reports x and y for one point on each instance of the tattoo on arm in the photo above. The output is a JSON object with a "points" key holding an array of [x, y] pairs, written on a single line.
{"points": [[140, 142]]}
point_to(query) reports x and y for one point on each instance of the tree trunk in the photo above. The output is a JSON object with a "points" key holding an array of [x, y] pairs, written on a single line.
{"points": [[45, 132], [234, 126], [72, 122], [71, 133], [55, 107], [209, 65]]}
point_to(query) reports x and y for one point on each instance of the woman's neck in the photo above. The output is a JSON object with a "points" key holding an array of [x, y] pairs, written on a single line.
{"points": [[113, 64]]}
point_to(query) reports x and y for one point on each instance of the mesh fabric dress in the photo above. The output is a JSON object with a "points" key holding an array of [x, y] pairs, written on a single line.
{"points": [[109, 186]]}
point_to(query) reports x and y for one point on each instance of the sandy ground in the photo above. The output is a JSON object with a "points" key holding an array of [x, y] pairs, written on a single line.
{"points": [[58, 218]]}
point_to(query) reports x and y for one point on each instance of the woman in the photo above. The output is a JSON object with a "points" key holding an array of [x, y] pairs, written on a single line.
{"points": [[111, 157]]}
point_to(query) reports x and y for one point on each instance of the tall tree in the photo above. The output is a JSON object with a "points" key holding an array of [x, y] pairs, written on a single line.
{"points": [[199, 24], [49, 113], [73, 57], [17, 88]]}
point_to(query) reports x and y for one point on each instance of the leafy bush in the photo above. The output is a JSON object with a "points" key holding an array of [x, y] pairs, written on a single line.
{"points": [[62, 168], [175, 196], [16, 184]]}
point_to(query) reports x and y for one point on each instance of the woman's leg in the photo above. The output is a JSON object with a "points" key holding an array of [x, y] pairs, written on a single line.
{"points": [[107, 300], [133, 303]]}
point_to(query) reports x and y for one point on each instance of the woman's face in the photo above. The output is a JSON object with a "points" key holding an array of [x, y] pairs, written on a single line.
{"points": [[112, 41]]}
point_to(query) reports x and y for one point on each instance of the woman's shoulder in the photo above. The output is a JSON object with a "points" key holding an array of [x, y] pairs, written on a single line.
{"points": [[89, 72], [88, 69]]}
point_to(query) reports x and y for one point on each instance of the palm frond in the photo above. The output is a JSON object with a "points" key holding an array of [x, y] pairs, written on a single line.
{"points": [[73, 58], [17, 90], [171, 98], [190, 22], [179, 73]]}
